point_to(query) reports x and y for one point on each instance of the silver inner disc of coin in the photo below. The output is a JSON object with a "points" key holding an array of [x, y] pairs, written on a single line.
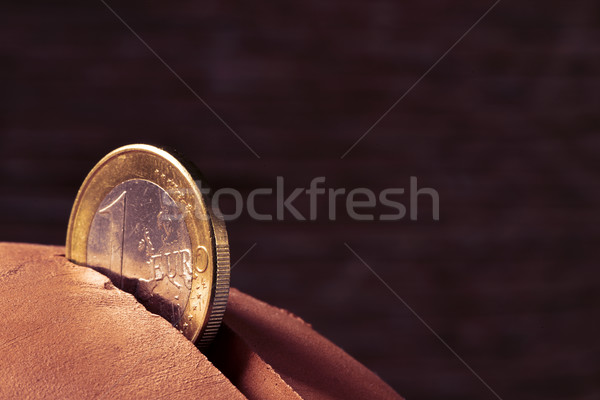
{"points": [[138, 238]]}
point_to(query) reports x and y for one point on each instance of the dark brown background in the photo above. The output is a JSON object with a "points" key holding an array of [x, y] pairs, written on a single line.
{"points": [[505, 128]]}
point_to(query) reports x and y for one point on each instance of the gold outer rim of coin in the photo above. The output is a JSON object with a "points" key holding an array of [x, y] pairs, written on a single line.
{"points": [[182, 180]]}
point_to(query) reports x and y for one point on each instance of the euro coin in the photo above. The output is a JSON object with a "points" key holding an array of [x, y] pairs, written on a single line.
{"points": [[141, 219]]}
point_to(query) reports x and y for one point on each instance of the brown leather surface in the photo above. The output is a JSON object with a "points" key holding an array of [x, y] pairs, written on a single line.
{"points": [[67, 332]]}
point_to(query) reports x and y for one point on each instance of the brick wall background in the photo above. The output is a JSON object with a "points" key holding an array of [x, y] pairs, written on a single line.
{"points": [[505, 128]]}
